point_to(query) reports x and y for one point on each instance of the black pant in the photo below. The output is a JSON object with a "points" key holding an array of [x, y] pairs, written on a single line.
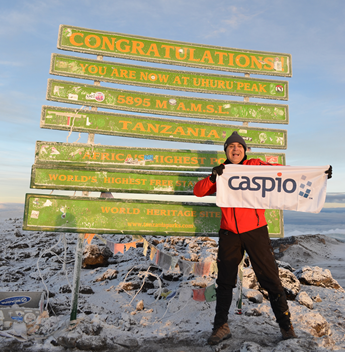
{"points": [[230, 253]]}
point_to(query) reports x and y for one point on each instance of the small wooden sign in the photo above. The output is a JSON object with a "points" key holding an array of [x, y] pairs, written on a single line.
{"points": [[188, 81], [113, 180], [134, 47], [125, 216], [106, 156], [162, 104], [136, 126]]}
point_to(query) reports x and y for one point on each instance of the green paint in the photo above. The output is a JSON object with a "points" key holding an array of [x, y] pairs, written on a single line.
{"points": [[106, 71], [112, 180], [158, 128], [104, 215], [173, 52], [112, 98], [136, 158]]}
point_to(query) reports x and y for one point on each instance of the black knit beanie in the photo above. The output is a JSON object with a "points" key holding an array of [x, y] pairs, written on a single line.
{"points": [[235, 137]]}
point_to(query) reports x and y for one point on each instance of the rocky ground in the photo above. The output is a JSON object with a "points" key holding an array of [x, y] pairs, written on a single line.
{"points": [[123, 304]]}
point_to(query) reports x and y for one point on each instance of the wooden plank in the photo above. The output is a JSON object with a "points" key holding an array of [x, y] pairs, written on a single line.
{"points": [[137, 158], [158, 128], [112, 180], [173, 52], [143, 217], [164, 104], [188, 81]]}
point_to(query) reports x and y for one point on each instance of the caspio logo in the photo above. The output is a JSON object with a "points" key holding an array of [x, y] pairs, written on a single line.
{"points": [[265, 184], [14, 300]]}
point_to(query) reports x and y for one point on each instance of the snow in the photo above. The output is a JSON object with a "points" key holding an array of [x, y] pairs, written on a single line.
{"points": [[114, 319]]}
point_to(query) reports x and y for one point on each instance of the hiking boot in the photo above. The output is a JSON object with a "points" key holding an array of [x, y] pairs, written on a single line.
{"points": [[289, 333], [219, 334]]}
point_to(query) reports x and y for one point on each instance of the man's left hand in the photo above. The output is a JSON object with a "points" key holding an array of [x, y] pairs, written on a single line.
{"points": [[329, 172], [218, 170]]}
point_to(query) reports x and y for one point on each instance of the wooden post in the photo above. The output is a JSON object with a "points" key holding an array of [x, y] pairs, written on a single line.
{"points": [[76, 276], [80, 244]]}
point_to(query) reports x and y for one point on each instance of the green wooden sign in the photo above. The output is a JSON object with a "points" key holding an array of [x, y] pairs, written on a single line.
{"points": [[112, 180], [173, 52], [79, 154], [158, 128], [104, 215], [112, 98], [106, 71]]}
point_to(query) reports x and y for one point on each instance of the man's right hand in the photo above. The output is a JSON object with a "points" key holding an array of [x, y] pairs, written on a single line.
{"points": [[218, 170]]}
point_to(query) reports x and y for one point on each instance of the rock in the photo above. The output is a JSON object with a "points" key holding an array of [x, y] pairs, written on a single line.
{"points": [[68, 341], [140, 305], [249, 279], [13, 276], [253, 312], [194, 257], [290, 283], [316, 298], [19, 245], [127, 319], [128, 286], [250, 347], [91, 343], [305, 300], [128, 342], [172, 276], [93, 257], [300, 245], [65, 289], [106, 252], [110, 274], [296, 345], [17, 233], [254, 296], [86, 290], [317, 324], [285, 265], [316, 276], [90, 328]]}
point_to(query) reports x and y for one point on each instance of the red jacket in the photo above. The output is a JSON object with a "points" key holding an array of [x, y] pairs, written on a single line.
{"points": [[237, 220]]}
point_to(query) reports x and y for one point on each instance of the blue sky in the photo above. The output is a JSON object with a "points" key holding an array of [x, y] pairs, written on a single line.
{"points": [[311, 31]]}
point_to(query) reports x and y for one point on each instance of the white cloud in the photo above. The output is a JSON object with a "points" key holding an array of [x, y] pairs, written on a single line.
{"points": [[239, 16]]}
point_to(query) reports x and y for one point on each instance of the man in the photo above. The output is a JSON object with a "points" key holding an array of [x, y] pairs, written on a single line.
{"points": [[243, 229]]}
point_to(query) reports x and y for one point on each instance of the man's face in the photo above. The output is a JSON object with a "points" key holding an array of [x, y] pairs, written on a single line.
{"points": [[235, 152]]}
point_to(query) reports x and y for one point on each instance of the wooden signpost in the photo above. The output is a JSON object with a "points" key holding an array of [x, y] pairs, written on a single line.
{"points": [[91, 167]]}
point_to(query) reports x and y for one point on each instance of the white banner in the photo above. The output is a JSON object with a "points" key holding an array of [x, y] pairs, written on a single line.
{"points": [[300, 188]]}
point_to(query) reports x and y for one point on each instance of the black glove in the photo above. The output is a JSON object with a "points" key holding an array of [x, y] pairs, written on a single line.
{"points": [[329, 172], [218, 170]]}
